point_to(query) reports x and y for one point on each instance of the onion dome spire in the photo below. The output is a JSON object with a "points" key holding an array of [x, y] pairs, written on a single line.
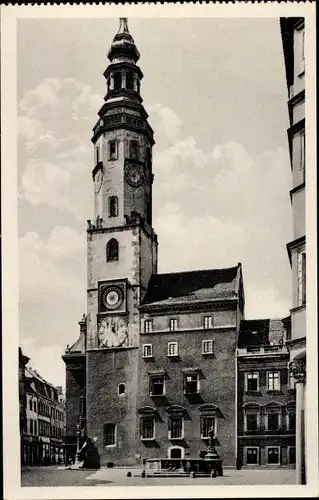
{"points": [[123, 45]]}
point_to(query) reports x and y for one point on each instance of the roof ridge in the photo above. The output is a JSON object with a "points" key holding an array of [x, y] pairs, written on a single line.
{"points": [[197, 270]]}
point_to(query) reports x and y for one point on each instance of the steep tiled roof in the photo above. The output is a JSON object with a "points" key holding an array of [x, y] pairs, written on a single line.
{"points": [[192, 286], [258, 332]]}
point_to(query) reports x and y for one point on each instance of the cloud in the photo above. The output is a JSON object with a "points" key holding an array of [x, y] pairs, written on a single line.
{"points": [[51, 266], [63, 185], [45, 359]]}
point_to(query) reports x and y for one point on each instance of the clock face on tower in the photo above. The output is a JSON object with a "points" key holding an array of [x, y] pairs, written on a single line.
{"points": [[98, 181], [113, 332], [112, 297], [134, 175]]}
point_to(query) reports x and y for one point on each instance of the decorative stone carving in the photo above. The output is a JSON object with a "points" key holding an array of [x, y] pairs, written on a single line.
{"points": [[298, 369]]}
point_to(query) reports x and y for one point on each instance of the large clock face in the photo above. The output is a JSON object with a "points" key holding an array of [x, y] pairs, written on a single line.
{"points": [[134, 175], [113, 332], [112, 297], [98, 180]]}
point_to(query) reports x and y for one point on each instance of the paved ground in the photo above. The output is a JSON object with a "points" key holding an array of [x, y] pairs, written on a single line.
{"points": [[52, 476]]}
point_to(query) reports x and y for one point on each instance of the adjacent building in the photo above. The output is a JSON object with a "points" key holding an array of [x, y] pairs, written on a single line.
{"points": [[266, 395], [293, 39], [161, 359], [43, 426]]}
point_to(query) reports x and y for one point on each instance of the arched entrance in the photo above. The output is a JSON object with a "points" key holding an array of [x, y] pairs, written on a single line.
{"points": [[176, 452]]}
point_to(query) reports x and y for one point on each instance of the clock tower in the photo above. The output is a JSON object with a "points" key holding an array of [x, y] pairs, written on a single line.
{"points": [[122, 245]]}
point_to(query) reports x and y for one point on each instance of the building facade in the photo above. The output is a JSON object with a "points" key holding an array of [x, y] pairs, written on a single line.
{"points": [[266, 395], [293, 39], [44, 427], [156, 364]]}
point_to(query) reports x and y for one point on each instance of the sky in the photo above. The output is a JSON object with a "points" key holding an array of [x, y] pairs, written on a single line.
{"points": [[216, 96]]}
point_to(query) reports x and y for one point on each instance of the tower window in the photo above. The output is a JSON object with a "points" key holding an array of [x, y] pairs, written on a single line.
{"points": [[129, 81], [113, 206], [121, 389], [109, 435], [117, 80], [134, 147], [113, 150], [97, 154], [112, 250]]}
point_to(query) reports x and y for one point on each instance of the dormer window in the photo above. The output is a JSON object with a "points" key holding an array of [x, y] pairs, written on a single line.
{"points": [[113, 206], [113, 149]]}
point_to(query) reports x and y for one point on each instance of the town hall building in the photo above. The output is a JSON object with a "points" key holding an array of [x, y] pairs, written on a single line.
{"points": [[155, 366]]}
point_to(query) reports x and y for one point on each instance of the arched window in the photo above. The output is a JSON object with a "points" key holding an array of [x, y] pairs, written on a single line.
{"points": [[121, 388], [117, 80], [134, 147], [129, 81], [113, 206], [112, 250]]}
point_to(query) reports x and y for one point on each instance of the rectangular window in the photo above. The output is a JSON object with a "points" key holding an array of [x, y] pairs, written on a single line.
{"points": [[251, 381], [302, 162], [207, 347], [157, 385], [134, 147], [82, 407], [175, 428], [252, 456], [31, 426], [147, 428], [147, 351], [251, 420], [208, 322], [291, 455], [148, 326], [191, 383], [273, 421], [35, 427], [173, 324], [301, 277], [291, 421], [273, 455], [97, 154], [273, 381], [109, 434], [113, 150], [172, 349], [207, 423]]}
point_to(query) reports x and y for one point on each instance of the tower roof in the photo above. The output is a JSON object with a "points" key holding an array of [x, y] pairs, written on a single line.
{"points": [[123, 44]]}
